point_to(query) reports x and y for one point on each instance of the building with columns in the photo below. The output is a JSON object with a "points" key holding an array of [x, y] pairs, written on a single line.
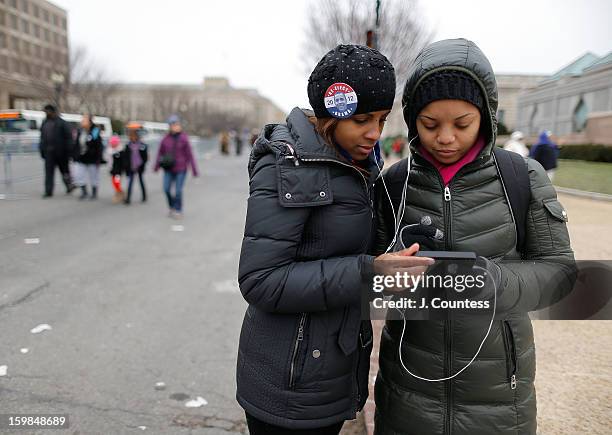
{"points": [[575, 103]]}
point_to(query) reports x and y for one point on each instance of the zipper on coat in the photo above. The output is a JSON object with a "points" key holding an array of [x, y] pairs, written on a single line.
{"points": [[511, 360], [447, 217], [448, 338], [448, 331], [296, 347]]}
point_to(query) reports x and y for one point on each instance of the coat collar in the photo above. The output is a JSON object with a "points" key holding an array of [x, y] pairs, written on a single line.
{"points": [[306, 144]]}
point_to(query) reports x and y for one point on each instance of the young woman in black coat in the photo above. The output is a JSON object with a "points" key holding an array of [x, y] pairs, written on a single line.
{"points": [[304, 351]]}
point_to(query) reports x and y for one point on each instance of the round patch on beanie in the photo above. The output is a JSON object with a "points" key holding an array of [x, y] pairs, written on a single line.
{"points": [[340, 100]]}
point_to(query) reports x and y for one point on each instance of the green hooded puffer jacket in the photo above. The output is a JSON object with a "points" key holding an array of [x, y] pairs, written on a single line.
{"points": [[496, 394]]}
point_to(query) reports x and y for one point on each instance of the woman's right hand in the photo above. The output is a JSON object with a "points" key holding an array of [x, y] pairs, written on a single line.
{"points": [[402, 262]]}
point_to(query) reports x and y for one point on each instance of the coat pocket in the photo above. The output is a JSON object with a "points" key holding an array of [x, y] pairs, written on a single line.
{"points": [[511, 356], [298, 352], [304, 185], [366, 342], [555, 209]]}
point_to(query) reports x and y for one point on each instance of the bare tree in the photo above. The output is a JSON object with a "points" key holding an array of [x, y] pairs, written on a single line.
{"points": [[400, 35], [89, 86], [163, 102]]}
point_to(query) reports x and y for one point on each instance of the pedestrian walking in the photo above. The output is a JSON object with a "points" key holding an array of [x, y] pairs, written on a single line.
{"points": [[546, 152], [468, 373], [516, 144], [135, 157], [117, 167], [174, 157], [239, 142], [55, 148], [224, 140], [303, 356], [87, 157]]}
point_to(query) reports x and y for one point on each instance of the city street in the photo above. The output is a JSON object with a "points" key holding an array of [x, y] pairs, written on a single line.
{"points": [[134, 299]]}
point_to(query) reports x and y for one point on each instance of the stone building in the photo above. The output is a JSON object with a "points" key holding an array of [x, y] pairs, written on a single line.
{"points": [[34, 56], [206, 107], [575, 103]]}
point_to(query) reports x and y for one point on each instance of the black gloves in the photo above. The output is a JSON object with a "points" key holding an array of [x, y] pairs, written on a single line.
{"points": [[423, 233], [492, 272]]}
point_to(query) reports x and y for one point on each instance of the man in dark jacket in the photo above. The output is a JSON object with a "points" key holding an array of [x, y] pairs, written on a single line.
{"points": [[55, 141]]}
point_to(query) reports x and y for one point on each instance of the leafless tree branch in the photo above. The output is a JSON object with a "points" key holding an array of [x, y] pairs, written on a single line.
{"points": [[89, 85], [402, 32]]}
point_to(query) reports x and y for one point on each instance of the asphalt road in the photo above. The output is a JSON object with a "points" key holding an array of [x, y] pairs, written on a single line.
{"points": [[133, 298]]}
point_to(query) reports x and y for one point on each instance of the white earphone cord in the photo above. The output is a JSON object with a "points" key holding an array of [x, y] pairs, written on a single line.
{"points": [[475, 355], [397, 220]]}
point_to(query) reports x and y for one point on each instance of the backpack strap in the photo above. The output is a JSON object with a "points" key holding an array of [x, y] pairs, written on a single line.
{"points": [[514, 174]]}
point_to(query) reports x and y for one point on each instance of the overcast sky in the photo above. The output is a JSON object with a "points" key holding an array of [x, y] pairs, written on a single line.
{"points": [[257, 44]]}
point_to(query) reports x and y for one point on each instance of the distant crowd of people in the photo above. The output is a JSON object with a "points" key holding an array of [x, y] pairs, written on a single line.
{"points": [[238, 138], [59, 145]]}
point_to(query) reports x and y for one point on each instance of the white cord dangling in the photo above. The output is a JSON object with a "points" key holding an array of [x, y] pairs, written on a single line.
{"points": [[475, 355]]}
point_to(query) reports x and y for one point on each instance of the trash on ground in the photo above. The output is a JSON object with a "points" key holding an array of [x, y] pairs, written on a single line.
{"points": [[40, 328]]}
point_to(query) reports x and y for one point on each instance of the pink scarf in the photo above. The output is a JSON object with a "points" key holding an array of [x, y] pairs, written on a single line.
{"points": [[449, 171]]}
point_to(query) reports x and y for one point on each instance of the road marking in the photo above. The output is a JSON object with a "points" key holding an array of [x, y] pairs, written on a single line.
{"points": [[40, 328]]}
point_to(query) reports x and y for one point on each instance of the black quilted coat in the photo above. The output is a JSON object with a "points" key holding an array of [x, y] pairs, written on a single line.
{"points": [[303, 358]]}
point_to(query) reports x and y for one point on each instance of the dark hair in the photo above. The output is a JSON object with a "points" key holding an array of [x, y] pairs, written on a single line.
{"points": [[50, 108]]}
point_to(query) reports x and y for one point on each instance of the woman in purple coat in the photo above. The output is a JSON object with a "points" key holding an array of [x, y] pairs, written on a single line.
{"points": [[174, 156]]}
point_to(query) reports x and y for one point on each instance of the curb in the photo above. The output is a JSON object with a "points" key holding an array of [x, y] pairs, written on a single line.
{"points": [[584, 194]]}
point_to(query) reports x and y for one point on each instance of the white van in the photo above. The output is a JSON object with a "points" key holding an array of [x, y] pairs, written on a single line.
{"points": [[20, 129]]}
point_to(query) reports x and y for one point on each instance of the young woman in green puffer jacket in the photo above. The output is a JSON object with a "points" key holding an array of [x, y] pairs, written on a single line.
{"points": [[449, 102]]}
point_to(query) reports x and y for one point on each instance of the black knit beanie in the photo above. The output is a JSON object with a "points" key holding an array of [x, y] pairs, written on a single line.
{"points": [[349, 80], [444, 85]]}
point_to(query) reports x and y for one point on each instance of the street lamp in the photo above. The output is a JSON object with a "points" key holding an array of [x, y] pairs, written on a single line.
{"points": [[58, 81]]}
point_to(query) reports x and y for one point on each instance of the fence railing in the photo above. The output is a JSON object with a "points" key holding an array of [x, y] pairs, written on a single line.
{"points": [[17, 153]]}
